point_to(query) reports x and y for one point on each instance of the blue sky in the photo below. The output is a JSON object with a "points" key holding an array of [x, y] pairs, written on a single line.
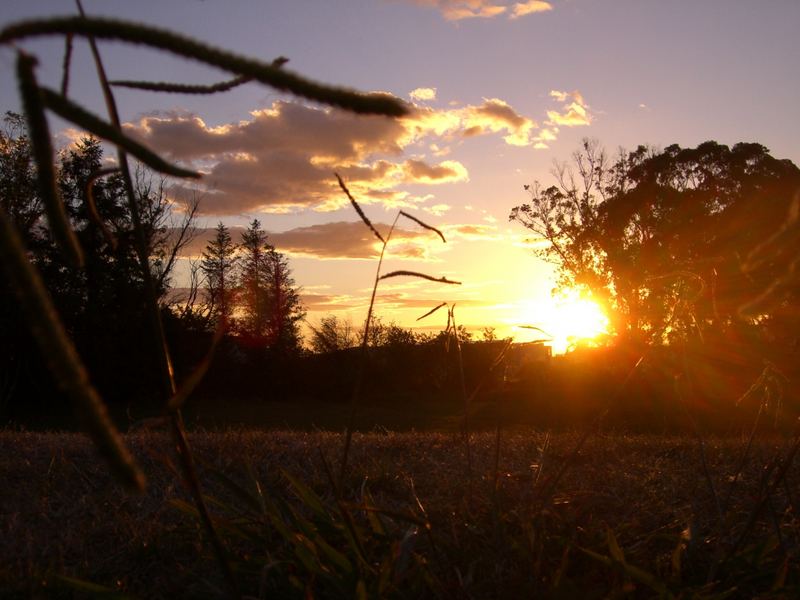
{"points": [[513, 93]]}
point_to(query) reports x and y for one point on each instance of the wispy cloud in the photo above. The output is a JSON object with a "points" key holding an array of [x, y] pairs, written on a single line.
{"points": [[574, 110], [351, 240], [492, 116], [456, 10], [520, 9], [423, 94]]}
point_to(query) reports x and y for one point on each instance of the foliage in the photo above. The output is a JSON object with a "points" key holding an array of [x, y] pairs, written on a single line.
{"points": [[254, 275], [218, 267], [269, 302], [284, 308], [331, 334], [249, 288], [102, 303], [661, 237]]}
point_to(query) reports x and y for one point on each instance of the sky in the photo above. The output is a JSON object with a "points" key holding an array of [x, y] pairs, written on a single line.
{"points": [[502, 91]]}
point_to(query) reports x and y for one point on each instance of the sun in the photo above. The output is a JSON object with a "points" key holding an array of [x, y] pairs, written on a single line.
{"points": [[567, 321]]}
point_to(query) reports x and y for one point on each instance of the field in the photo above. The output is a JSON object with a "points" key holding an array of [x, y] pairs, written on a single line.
{"points": [[638, 516]]}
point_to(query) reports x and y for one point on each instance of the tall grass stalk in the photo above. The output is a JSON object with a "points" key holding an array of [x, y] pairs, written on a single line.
{"points": [[465, 424], [266, 73], [495, 364], [362, 363], [364, 349], [160, 342]]}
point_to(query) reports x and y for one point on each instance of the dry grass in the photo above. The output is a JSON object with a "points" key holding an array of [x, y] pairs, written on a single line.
{"points": [[62, 514]]}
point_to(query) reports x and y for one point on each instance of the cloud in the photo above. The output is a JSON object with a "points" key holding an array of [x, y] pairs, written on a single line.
{"points": [[456, 10], [423, 94], [336, 240], [520, 9], [352, 240], [448, 171], [437, 210], [283, 157], [574, 111], [473, 232], [315, 302], [327, 303], [492, 116]]}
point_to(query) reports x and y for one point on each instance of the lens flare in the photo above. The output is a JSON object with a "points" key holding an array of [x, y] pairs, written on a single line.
{"points": [[569, 321]]}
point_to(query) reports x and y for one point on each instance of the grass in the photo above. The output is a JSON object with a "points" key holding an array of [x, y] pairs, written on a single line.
{"points": [[403, 415], [633, 514]]}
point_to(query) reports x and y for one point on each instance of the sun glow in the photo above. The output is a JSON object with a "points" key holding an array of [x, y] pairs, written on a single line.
{"points": [[566, 322]]}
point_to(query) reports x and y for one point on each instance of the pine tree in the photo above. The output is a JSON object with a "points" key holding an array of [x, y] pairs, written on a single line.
{"points": [[285, 309], [219, 267], [255, 279]]}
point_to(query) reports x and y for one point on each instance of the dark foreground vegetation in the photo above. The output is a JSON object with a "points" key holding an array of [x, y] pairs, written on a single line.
{"points": [[632, 516]]}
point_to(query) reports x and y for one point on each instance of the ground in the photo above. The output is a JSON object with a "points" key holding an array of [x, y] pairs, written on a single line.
{"points": [[629, 515]]}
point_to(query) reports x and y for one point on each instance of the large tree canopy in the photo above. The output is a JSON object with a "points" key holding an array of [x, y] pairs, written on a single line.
{"points": [[666, 239]]}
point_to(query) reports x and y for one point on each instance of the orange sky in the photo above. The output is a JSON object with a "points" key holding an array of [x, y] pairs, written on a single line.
{"points": [[500, 89]]}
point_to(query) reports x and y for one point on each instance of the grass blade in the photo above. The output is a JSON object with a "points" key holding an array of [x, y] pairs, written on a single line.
{"points": [[42, 146], [182, 88], [165, 363], [431, 311], [635, 573], [66, 65], [423, 224], [306, 494], [91, 205], [358, 209], [196, 376], [88, 588], [420, 275]]}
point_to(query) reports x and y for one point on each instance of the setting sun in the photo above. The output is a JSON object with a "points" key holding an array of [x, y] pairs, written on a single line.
{"points": [[569, 320]]}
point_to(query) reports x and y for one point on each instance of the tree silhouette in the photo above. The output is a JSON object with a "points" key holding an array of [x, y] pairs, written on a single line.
{"points": [[255, 281], [333, 333], [101, 304], [662, 237], [284, 308], [218, 266]]}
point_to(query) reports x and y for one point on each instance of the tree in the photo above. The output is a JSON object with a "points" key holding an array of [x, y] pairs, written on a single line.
{"points": [[661, 237], [218, 266], [270, 302], [333, 333], [285, 311], [19, 193], [102, 303], [254, 281]]}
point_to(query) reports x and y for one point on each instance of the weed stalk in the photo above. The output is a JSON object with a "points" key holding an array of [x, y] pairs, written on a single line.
{"points": [[167, 373]]}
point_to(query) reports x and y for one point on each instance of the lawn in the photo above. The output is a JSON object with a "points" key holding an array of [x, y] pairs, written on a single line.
{"points": [[632, 515]]}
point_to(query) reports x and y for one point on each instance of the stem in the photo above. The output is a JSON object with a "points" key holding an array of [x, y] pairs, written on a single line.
{"points": [[362, 363], [465, 429], [165, 362]]}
